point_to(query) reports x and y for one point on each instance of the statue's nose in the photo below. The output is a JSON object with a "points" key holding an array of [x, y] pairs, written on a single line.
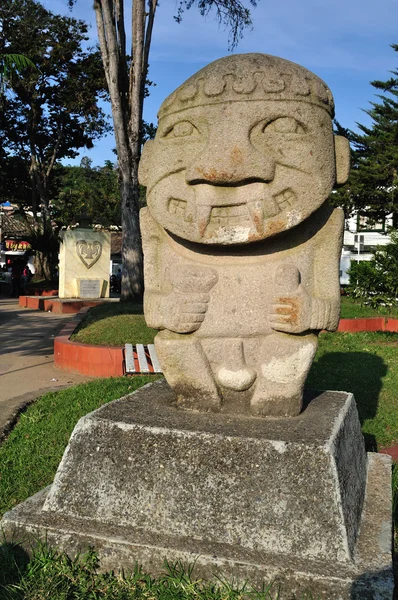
{"points": [[236, 164]]}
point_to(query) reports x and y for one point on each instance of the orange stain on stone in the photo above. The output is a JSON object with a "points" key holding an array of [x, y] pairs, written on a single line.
{"points": [[276, 226], [213, 174], [289, 312], [236, 156]]}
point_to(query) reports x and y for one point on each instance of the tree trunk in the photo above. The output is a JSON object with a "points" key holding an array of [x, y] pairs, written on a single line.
{"points": [[132, 271], [111, 34], [42, 265]]}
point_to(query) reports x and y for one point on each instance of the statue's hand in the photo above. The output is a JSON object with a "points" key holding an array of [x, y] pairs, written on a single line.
{"points": [[184, 312], [184, 309], [292, 312]]}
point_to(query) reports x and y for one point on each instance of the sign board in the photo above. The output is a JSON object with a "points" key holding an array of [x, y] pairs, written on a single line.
{"points": [[90, 288], [17, 245]]}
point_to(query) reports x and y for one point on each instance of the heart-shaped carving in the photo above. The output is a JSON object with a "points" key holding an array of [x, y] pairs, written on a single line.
{"points": [[88, 252]]}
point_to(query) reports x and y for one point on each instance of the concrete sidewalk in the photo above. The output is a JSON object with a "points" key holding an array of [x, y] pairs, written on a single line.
{"points": [[26, 357]]}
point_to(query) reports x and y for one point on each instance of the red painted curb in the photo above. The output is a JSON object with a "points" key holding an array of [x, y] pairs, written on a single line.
{"points": [[85, 359], [108, 361], [369, 324], [393, 452], [57, 305]]}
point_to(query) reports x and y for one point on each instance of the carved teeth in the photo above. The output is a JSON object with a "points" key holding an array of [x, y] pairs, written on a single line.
{"points": [[211, 217], [256, 210], [229, 216], [285, 199], [177, 207], [190, 211], [203, 216]]}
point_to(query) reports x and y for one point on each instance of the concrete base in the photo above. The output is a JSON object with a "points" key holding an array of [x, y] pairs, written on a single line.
{"points": [[294, 501]]}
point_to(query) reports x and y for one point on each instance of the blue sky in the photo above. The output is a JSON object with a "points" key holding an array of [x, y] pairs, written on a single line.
{"points": [[345, 42]]}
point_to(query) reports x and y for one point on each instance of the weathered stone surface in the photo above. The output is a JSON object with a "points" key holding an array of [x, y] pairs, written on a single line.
{"points": [[241, 247], [84, 256], [241, 267], [253, 498]]}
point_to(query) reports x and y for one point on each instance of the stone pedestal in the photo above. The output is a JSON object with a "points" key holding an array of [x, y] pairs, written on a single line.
{"points": [[295, 501], [84, 261]]}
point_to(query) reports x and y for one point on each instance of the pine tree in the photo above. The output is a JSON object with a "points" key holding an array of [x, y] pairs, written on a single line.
{"points": [[372, 188]]}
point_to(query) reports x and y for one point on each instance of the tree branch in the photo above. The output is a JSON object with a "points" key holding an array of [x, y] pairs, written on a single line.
{"points": [[54, 154], [148, 38], [107, 35], [137, 77], [119, 13]]}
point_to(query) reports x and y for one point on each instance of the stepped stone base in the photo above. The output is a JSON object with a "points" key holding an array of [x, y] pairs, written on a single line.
{"points": [[294, 501]]}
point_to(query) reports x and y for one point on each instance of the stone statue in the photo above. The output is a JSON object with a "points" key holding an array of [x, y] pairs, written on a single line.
{"points": [[240, 243]]}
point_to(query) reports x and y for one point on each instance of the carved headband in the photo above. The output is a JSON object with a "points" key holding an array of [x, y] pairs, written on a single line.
{"points": [[259, 77]]}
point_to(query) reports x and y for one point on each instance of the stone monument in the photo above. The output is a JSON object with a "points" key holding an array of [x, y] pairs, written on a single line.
{"points": [[241, 246], [230, 463], [84, 264]]}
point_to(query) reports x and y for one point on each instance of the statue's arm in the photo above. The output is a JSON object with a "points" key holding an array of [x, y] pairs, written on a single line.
{"points": [[326, 300], [176, 299], [152, 241], [300, 306]]}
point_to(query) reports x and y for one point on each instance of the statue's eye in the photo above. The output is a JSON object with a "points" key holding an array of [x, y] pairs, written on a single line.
{"points": [[181, 129], [285, 125]]}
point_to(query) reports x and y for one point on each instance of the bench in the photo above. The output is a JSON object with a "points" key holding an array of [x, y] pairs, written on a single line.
{"points": [[141, 358]]}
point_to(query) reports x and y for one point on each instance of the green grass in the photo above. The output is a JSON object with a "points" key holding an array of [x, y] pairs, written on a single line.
{"points": [[352, 309], [54, 576], [367, 365], [364, 363], [114, 324], [42, 284], [30, 455]]}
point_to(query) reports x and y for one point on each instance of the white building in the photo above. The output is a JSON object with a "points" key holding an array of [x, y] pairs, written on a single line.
{"points": [[361, 237]]}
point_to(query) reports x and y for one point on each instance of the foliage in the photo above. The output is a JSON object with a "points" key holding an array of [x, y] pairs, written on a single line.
{"points": [[352, 308], [126, 75], [51, 111], [10, 66], [86, 190], [375, 282], [372, 185]]}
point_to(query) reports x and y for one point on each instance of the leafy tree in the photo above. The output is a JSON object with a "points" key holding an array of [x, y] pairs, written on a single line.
{"points": [[372, 187], [10, 66], [51, 112], [87, 190], [126, 75], [375, 282]]}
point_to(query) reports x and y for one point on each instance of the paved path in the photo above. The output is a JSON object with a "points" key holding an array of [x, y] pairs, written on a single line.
{"points": [[26, 356]]}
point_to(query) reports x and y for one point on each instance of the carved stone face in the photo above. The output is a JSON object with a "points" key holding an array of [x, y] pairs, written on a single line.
{"points": [[238, 171]]}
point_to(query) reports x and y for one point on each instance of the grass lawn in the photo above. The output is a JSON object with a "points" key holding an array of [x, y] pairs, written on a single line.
{"points": [[352, 309], [53, 576], [367, 365], [30, 455], [364, 363], [114, 324]]}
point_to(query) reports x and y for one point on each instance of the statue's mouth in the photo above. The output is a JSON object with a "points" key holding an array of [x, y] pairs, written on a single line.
{"points": [[211, 210], [216, 216]]}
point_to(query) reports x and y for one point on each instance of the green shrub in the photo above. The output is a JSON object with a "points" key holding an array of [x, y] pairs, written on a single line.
{"points": [[375, 282]]}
